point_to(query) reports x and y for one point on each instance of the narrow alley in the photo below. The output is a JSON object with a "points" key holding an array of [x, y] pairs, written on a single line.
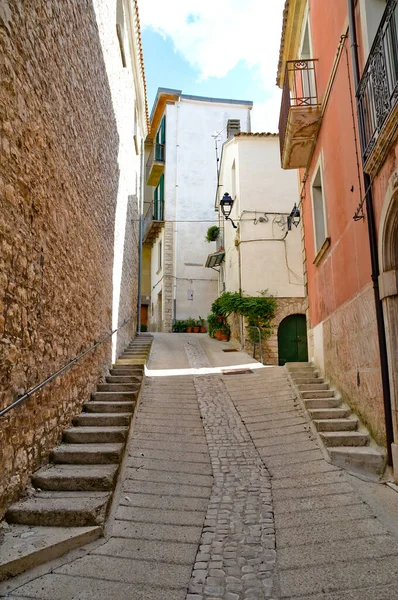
{"points": [[225, 493]]}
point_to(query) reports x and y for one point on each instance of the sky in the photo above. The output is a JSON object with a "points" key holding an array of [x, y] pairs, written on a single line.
{"points": [[216, 48]]}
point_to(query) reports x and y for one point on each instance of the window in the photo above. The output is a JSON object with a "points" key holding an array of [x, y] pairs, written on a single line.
{"points": [[158, 200], [160, 255], [318, 209], [120, 30], [371, 14], [160, 140]]}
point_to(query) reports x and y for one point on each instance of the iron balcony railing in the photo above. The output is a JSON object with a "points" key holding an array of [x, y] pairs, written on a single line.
{"points": [[155, 212], [299, 89], [157, 155], [378, 89]]}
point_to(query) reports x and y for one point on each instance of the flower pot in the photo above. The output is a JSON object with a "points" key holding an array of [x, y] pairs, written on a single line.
{"points": [[218, 334], [224, 337], [196, 329], [203, 329], [220, 319], [189, 329]]}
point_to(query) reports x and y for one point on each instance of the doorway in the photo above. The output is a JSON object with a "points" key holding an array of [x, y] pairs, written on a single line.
{"points": [[292, 340]]}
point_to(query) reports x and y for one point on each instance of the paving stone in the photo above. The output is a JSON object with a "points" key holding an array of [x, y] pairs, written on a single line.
{"points": [[174, 552], [64, 587], [156, 531], [150, 515]]}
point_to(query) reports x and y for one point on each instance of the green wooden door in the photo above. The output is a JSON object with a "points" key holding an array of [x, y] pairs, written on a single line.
{"points": [[292, 340]]}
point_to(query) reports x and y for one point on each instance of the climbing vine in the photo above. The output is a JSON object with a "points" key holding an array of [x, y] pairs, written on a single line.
{"points": [[258, 310]]}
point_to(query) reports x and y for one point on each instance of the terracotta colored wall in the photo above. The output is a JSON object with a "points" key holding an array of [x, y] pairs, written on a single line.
{"points": [[339, 288]]}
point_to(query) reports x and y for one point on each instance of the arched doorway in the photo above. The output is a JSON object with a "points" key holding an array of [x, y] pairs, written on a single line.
{"points": [[292, 339], [388, 285]]}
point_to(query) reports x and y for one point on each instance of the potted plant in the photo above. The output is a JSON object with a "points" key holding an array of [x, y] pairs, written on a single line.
{"points": [[179, 326], [212, 324], [190, 324], [212, 233], [225, 333], [202, 325], [196, 327]]}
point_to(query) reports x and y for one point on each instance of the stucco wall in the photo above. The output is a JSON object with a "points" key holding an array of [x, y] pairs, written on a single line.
{"points": [[265, 195], [190, 187], [67, 171]]}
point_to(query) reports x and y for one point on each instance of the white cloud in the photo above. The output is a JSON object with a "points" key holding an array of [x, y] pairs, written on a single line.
{"points": [[214, 35]]}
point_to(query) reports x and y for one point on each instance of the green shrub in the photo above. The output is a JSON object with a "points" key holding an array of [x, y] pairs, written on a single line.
{"points": [[212, 233], [258, 310]]}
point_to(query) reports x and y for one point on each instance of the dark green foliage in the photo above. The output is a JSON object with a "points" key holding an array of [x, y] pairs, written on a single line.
{"points": [[258, 310], [212, 233]]}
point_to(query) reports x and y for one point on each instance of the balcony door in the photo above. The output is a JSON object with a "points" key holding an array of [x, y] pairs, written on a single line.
{"points": [[307, 83]]}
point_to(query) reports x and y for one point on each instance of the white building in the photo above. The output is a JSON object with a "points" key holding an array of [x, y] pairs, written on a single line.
{"points": [[262, 253], [179, 203]]}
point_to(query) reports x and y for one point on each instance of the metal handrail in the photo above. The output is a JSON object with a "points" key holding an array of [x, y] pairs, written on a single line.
{"points": [[255, 343], [72, 362]]}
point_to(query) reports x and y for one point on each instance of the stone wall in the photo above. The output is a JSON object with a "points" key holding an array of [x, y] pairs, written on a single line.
{"points": [[128, 298], [352, 361], [59, 182], [286, 307]]}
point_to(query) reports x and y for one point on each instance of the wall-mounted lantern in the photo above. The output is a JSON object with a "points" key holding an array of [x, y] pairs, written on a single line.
{"points": [[226, 204], [293, 218]]}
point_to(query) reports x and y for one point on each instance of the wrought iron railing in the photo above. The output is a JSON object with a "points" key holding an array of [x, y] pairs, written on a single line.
{"points": [[378, 89], [157, 155], [155, 212], [299, 89]]}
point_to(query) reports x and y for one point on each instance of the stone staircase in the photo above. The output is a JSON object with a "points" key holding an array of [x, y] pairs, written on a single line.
{"points": [[344, 437], [74, 490]]}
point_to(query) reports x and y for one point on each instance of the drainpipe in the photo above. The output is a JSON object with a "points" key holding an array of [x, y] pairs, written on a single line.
{"points": [[373, 252], [141, 209]]}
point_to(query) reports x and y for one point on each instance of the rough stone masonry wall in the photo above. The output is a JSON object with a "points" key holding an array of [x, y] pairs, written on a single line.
{"points": [[58, 188], [352, 360], [129, 282]]}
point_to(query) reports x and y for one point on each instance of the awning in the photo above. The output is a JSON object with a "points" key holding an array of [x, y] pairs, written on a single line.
{"points": [[215, 259]]}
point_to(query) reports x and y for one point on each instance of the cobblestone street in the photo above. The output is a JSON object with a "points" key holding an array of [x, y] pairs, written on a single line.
{"points": [[225, 494]]}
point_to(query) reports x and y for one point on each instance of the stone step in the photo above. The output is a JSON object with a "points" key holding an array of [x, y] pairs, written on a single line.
{"points": [[298, 364], [127, 372], [329, 413], [61, 509], [95, 435], [102, 420], [23, 547], [131, 368], [136, 379], [363, 460], [108, 407], [350, 438], [309, 373], [336, 424], [309, 380], [118, 387], [114, 396], [130, 361], [317, 393], [322, 403], [87, 454], [95, 478], [312, 386]]}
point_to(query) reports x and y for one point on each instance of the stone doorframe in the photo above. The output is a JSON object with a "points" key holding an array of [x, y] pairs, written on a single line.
{"points": [[388, 284]]}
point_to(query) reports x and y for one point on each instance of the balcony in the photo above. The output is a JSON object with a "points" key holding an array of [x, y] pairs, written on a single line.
{"points": [[153, 222], [378, 93], [155, 164], [300, 113]]}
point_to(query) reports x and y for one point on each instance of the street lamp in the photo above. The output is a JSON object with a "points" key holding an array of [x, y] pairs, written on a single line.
{"points": [[293, 218], [226, 204]]}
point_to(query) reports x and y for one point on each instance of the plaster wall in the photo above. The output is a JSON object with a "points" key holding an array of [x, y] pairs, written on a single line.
{"points": [[190, 188], [270, 259]]}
